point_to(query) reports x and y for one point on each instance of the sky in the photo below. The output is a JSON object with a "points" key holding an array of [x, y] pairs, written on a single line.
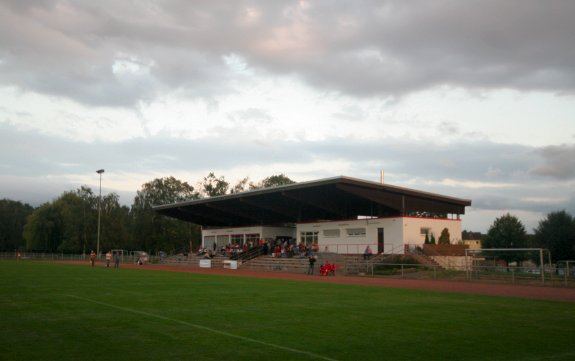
{"points": [[471, 99]]}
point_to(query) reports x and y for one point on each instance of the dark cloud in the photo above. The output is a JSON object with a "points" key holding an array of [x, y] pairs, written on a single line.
{"points": [[557, 162], [363, 48]]}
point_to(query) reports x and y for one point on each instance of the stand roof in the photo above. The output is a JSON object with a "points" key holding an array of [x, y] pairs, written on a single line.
{"points": [[324, 199]]}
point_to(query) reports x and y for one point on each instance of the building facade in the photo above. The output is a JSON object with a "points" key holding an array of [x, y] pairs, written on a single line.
{"points": [[387, 235]]}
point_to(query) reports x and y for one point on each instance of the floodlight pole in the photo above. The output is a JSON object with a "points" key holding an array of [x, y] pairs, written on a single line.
{"points": [[99, 171]]}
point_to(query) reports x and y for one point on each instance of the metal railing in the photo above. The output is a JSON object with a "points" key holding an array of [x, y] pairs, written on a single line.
{"points": [[343, 248], [554, 276], [517, 275], [127, 257]]}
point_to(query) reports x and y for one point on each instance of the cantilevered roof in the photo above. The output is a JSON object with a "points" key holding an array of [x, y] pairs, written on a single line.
{"points": [[324, 199]]}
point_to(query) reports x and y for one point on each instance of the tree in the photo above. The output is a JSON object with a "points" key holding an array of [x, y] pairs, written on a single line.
{"points": [[506, 232], [242, 186], [69, 223], [78, 219], [432, 239], [13, 216], [274, 181], [43, 230], [213, 186], [557, 234], [426, 238], [154, 232], [115, 224], [163, 191], [444, 237]]}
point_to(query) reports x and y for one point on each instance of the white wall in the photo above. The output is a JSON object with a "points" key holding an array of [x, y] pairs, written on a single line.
{"points": [[413, 225], [356, 244], [398, 231], [452, 262]]}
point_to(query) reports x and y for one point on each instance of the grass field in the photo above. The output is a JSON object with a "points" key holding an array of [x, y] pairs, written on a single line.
{"points": [[74, 312]]}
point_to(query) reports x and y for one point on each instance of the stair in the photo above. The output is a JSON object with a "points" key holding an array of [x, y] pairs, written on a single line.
{"points": [[293, 264], [267, 264], [425, 260], [193, 261]]}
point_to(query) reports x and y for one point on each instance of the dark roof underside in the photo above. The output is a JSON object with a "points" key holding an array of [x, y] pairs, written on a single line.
{"points": [[328, 199]]}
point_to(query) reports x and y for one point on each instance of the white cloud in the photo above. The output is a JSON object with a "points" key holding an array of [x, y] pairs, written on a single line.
{"points": [[480, 219], [454, 183]]}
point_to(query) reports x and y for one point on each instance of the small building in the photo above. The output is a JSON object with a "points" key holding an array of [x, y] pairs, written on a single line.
{"points": [[472, 239], [341, 214]]}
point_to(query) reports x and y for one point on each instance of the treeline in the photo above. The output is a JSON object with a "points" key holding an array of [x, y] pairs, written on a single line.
{"points": [[69, 224], [555, 233]]}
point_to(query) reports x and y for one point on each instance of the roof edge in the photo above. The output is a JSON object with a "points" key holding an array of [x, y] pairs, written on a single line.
{"points": [[306, 184]]}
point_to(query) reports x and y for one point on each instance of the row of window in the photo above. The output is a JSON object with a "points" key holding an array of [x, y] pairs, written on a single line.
{"points": [[350, 232], [311, 237], [239, 239]]}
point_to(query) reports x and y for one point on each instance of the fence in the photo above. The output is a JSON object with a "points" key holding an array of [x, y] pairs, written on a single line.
{"points": [[552, 276], [41, 256], [344, 248], [127, 257]]}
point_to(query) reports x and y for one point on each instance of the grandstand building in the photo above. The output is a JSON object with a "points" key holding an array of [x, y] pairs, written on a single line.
{"points": [[341, 214]]}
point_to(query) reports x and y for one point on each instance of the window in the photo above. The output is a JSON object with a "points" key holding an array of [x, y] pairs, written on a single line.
{"points": [[255, 237], [331, 233], [209, 241], [355, 232], [309, 237], [222, 240], [425, 231], [238, 239]]}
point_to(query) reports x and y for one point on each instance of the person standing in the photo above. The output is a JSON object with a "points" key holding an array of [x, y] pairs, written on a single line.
{"points": [[311, 261], [108, 258], [92, 257], [116, 260]]}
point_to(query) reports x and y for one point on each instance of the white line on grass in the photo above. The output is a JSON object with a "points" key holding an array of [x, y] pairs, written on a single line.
{"points": [[200, 327], [562, 356]]}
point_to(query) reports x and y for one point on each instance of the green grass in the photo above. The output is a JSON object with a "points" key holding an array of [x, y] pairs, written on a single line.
{"points": [[74, 312]]}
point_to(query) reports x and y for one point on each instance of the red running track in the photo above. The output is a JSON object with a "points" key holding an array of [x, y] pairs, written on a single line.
{"points": [[478, 288]]}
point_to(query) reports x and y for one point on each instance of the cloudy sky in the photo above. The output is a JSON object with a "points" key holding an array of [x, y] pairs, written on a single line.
{"points": [[473, 99]]}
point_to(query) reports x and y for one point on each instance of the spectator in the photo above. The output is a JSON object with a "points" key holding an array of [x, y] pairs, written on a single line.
{"points": [[108, 258], [367, 253], [116, 260], [301, 249], [311, 260], [92, 257]]}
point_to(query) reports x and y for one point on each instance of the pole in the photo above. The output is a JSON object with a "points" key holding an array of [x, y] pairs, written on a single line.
{"points": [[542, 265], [99, 171], [466, 266]]}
